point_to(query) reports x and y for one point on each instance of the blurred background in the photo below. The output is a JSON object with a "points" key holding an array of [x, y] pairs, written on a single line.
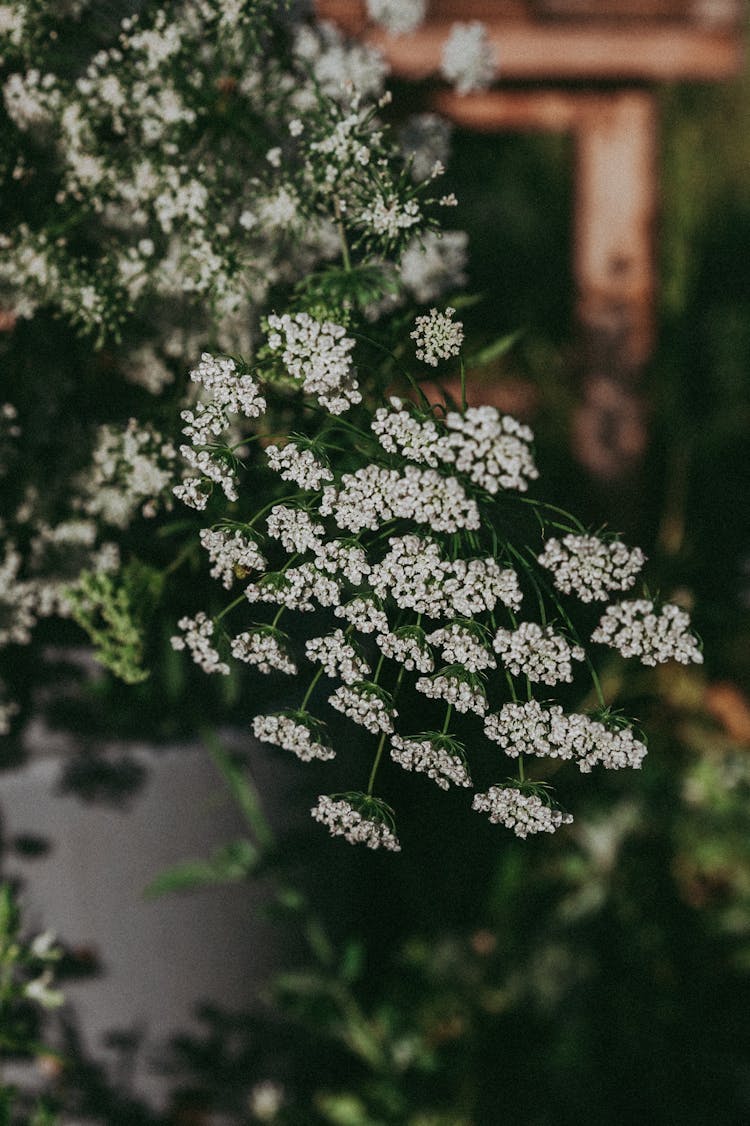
{"points": [[602, 976]]}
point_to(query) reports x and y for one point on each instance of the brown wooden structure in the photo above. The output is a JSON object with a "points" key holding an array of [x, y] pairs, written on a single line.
{"points": [[589, 68]]}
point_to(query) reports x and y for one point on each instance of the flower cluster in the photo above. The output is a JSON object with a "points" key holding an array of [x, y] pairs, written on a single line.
{"points": [[197, 634], [524, 813], [438, 756], [437, 336], [491, 449], [342, 819], [637, 629], [589, 567], [318, 356], [546, 731], [537, 652], [297, 732]]}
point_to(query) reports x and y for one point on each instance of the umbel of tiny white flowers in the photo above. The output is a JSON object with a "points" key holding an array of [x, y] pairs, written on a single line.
{"points": [[393, 538]]}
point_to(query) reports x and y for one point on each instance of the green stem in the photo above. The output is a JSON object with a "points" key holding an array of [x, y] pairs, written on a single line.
{"points": [[463, 388], [311, 686], [376, 764], [342, 237], [227, 609], [521, 776], [446, 722]]}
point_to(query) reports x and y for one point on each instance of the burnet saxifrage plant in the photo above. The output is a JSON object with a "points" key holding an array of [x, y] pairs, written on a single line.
{"points": [[390, 554]]}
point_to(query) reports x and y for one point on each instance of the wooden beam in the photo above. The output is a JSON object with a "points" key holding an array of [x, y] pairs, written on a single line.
{"points": [[560, 50], [533, 52]]}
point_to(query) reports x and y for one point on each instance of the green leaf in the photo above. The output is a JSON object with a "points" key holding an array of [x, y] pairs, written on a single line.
{"points": [[229, 864], [494, 350], [241, 788]]}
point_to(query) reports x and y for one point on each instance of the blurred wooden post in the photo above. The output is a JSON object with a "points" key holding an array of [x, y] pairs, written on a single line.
{"points": [[631, 45], [615, 271]]}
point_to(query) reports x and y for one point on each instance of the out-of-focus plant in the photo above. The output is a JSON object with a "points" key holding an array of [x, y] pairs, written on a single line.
{"points": [[27, 987]]}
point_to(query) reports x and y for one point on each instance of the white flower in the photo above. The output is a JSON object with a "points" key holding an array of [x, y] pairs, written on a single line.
{"points": [[469, 59], [414, 574], [409, 647], [364, 615], [338, 657], [366, 704], [546, 731], [374, 495], [492, 449], [343, 820], [591, 567], [232, 554], [431, 754], [236, 393], [460, 646], [438, 336], [636, 629], [298, 465], [397, 16], [198, 632], [337, 557], [537, 652], [261, 647], [389, 215], [317, 354], [457, 687], [523, 813], [295, 529], [296, 732], [295, 588]]}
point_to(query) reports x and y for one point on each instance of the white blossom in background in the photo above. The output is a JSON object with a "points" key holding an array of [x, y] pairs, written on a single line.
{"points": [[338, 657], [295, 732], [365, 704], [266, 1099], [469, 59], [232, 555], [537, 652], [434, 755], [434, 265], [196, 637], [589, 567], [425, 141], [437, 336], [397, 16], [318, 355], [131, 471], [637, 629], [343, 820], [524, 813], [337, 65], [298, 465], [262, 648]]}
